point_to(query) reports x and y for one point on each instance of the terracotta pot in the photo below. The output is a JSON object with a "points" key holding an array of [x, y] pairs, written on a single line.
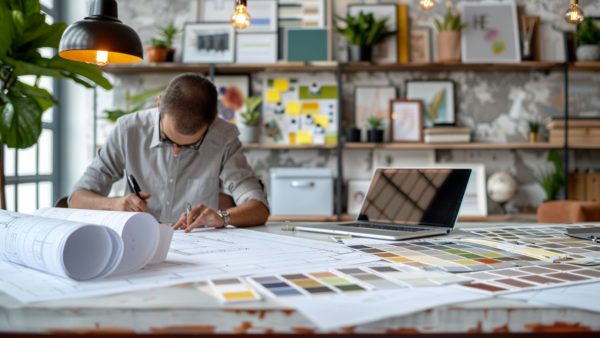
{"points": [[448, 44], [157, 54]]}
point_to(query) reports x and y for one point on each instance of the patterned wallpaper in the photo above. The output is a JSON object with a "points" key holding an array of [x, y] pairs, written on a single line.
{"points": [[484, 99]]}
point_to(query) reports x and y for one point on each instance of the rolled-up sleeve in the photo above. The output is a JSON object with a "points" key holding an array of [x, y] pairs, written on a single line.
{"points": [[237, 177], [107, 167]]}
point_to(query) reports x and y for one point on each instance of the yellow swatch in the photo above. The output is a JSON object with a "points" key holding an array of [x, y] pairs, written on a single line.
{"points": [[281, 84], [304, 137], [322, 120], [239, 295], [273, 95], [292, 108], [310, 108]]}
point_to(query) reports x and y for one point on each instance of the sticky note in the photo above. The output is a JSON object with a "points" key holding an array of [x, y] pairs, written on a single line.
{"points": [[281, 84], [292, 108], [304, 137], [310, 108], [322, 120], [273, 95]]}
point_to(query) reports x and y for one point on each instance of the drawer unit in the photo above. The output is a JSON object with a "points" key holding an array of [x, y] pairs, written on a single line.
{"points": [[301, 191]]}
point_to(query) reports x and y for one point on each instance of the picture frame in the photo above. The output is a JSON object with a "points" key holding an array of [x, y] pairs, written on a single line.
{"points": [[232, 89], [406, 120], [263, 17], [420, 45], [208, 43], [373, 101], [492, 34], [439, 103], [215, 10], [387, 51], [474, 203], [256, 48], [357, 191]]}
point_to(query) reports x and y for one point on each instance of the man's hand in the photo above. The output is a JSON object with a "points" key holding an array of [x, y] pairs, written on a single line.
{"points": [[132, 203], [200, 217]]}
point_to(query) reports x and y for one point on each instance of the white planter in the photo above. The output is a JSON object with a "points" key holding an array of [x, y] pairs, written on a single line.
{"points": [[588, 53], [249, 134]]}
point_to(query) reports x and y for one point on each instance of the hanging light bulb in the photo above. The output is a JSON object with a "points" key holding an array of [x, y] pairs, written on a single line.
{"points": [[426, 5], [574, 15], [240, 18]]}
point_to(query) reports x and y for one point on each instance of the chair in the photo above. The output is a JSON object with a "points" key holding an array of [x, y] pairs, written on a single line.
{"points": [[62, 202], [568, 212]]}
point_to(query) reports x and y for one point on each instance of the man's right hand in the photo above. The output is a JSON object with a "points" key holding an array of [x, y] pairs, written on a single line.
{"points": [[132, 203]]}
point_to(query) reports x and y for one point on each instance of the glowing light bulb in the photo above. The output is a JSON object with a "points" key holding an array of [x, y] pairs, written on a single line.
{"points": [[240, 18], [574, 15], [101, 57], [426, 5]]}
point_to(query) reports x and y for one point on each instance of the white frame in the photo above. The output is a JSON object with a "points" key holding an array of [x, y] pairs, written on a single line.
{"points": [[396, 121], [379, 11], [215, 16], [479, 179], [361, 117], [254, 11], [515, 36], [262, 55], [190, 57]]}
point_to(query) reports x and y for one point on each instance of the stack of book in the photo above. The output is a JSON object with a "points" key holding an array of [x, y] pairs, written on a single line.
{"points": [[581, 131], [447, 135], [584, 186]]}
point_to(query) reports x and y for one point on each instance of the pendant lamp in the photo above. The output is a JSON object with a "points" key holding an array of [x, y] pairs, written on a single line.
{"points": [[101, 38]]}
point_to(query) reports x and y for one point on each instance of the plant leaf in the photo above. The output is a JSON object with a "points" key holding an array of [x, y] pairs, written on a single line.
{"points": [[21, 121], [80, 69]]}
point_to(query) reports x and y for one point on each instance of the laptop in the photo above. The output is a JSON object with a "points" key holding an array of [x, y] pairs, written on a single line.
{"points": [[404, 204]]}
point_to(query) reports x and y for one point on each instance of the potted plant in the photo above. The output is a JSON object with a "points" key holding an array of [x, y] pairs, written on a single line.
{"points": [[448, 38], [375, 134], [588, 37], [168, 33], [534, 131], [363, 32], [249, 128], [551, 179], [157, 51], [353, 134]]}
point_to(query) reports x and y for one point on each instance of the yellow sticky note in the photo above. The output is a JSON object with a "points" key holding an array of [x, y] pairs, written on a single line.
{"points": [[273, 95], [310, 108], [292, 108], [322, 120], [281, 84], [304, 137]]}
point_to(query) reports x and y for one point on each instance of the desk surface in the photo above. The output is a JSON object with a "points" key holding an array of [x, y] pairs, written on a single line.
{"points": [[183, 309]]}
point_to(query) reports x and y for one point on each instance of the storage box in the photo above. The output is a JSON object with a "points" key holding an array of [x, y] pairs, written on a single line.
{"points": [[301, 191]]}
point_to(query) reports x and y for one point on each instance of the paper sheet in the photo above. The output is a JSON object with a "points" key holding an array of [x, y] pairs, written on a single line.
{"points": [[577, 296]]}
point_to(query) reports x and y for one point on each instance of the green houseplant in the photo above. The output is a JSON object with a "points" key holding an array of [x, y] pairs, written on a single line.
{"points": [[143, 100], [551, 179], [448, 39], [168, 34], [250, 120], [363, 32], [157, 51], [23, 32], [588, 37], [375, 134], [534, 130]]}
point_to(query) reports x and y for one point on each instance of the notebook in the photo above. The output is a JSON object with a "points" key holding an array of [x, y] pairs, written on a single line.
{"points": [[403, 204]]}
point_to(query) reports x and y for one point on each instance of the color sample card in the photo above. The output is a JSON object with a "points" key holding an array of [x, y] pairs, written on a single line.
{"points": [[233, 290], [531, 277], [417, 278], [451, 256], [371, 278], [305, 284]]}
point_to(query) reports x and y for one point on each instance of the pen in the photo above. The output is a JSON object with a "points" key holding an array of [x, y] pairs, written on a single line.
{"points": [[134, 186], [188, 209]]}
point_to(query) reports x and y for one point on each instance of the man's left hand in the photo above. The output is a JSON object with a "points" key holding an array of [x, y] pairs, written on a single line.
{"points": [[201, 216]]}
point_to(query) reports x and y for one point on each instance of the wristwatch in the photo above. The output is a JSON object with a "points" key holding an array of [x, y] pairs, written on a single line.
{"points": [[224, 214]]}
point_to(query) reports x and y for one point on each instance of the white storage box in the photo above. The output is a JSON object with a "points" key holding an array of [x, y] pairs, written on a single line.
{"points": [[301, 191]]}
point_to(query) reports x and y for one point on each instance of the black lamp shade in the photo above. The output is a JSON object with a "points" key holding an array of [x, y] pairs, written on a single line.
{"points": [[101, 31]]}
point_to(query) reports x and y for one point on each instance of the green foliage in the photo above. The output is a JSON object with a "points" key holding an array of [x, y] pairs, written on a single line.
{"points": [[534, 126], [375, 122], [588, 33], [168, 33], [451, 22], [140, 101], [23, 32], [364, 29], [251, 117], [551, 179], [156, 42]]}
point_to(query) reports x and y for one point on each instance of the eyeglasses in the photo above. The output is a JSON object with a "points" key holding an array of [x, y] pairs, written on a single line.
{"points": [[166, 141]]}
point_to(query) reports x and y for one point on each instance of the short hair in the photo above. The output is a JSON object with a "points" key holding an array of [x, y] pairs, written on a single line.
{"points": [[191, 100]]}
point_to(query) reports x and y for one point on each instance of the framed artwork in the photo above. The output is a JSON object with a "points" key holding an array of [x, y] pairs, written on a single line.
{"points": [[301, 14], [263, 17], [406, 120], [474, 203], [256, 48], [388, 50], [306, 44], [438, 100], [233, 91], [215, 10], [420, 44], [208, 43], [357, 191], [373, 101], [492, 34]]}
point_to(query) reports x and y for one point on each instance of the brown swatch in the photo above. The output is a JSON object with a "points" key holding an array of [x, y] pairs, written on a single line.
{"points": [[588, 272], [567, 276], [541, 279], [514, 282], [486, 287], [510, 273], [536, 269], [562, 267]]}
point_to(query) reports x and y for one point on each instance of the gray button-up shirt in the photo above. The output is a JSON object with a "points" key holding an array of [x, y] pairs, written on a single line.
{"points": [[192, 176]]}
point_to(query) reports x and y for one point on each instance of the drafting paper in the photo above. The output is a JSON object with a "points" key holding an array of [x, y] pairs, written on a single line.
{"points": [[577, 296]]}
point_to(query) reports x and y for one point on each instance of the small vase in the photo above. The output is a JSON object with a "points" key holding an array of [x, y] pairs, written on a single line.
{"points": [[353, 135], [588, 53], [249, 134], [156, 54], [375, 135], [360, 53], [448, 43], [534, 137]]}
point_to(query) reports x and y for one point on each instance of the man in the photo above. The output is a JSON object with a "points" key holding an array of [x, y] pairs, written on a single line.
{"points": [[180, 154]]}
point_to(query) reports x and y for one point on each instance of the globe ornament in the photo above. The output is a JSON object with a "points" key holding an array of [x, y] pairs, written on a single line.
{"points": [[502, 187]]}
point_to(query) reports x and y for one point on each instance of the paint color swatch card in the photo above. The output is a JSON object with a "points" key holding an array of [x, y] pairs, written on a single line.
{"points": [[417, 278], [371, 278], [233, 290], [531, 277]]}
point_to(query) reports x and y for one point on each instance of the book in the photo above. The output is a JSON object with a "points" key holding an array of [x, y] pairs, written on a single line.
{"points": [[447, 130], [83, 244], [447, 138], [574, 123], [306, 44]]}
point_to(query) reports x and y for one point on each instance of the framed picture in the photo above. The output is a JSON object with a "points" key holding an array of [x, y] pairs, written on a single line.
{"points": [[474, 203], [373, 101], [233, 91], [256, 48], [438, 100], [215, 10], [208, 43], [301, 13], [492, 34], [386, 51], [406, 120], [357, 190], [263, 17], [420, 44]]}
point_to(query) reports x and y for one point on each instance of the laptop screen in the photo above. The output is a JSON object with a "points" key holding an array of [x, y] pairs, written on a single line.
{"points": [[415, 196]]}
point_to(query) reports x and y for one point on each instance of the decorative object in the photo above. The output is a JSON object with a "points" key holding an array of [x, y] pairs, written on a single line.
{"points": [[264, 17], [240, 19], [551, 178], [362, 33], [534, 131], [574, 14], [438, 100], [301, 14], [306, 44], [426, 5], [256, 48], [373, 101], [357, 191], [168, 34], [353, 134], [233, 91], [527, 31], [448, 39], [502, 187], [216, 10], [420, 44], [403, 33], [492, 34], [406, 118], [588, 37], [381, 26], [375, 132], [101, 38], [157, 51], [208, 43], [250, 121]]}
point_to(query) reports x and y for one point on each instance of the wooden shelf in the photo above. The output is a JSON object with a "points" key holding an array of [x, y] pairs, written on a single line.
{"points": [[472, 145], [288, 146], [585, 66], [487, 67]]}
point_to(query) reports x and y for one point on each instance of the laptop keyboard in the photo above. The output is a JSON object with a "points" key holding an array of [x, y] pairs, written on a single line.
{"points": [[384, 227]]}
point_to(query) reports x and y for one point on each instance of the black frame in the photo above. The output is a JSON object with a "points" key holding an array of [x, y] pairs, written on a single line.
{"points": [[454, 106]]}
